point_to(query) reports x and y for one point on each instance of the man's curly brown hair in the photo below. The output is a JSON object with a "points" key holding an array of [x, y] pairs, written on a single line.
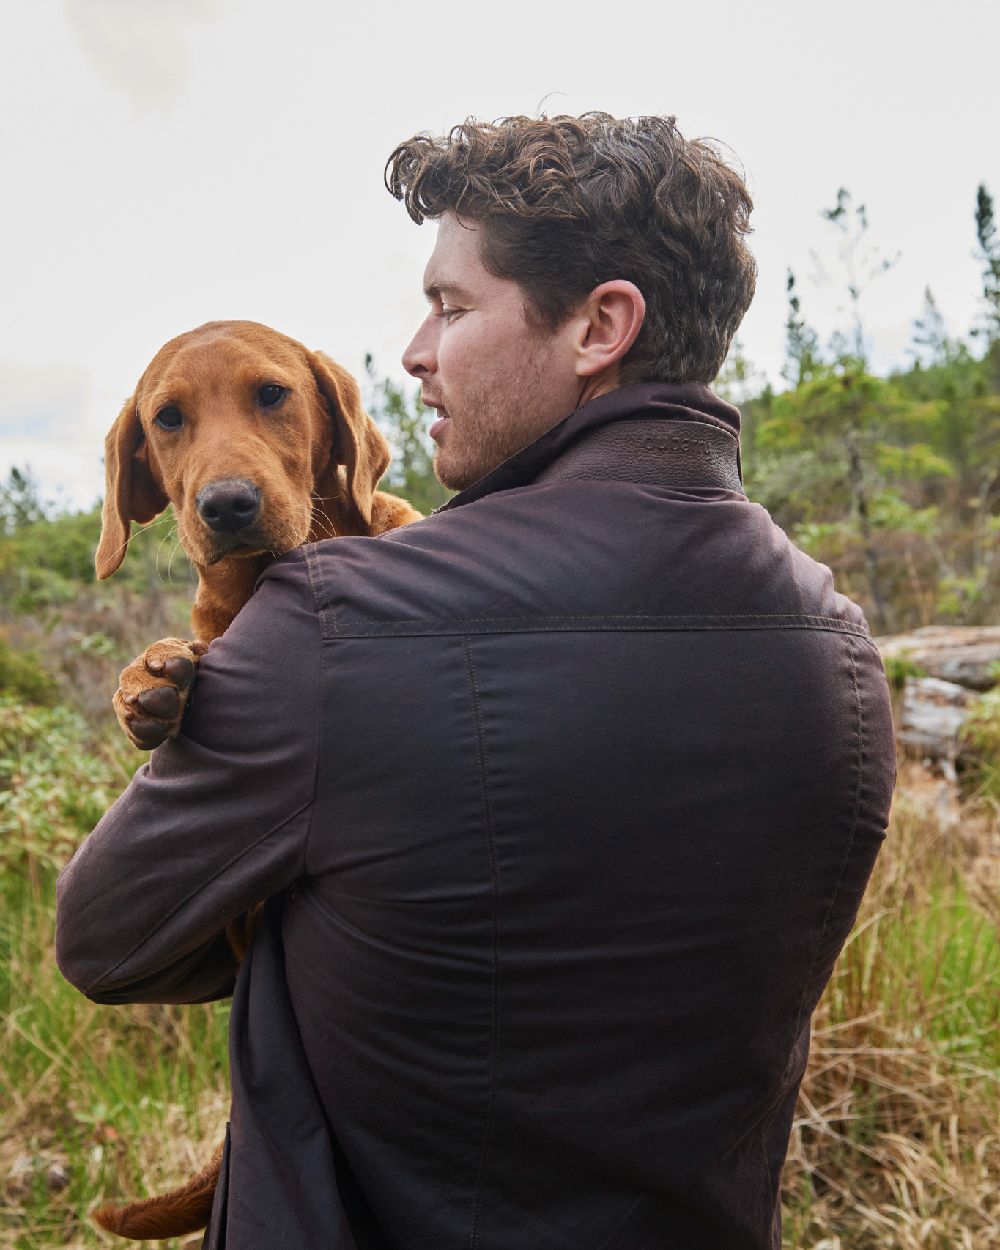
{"points": [[566, 203]]}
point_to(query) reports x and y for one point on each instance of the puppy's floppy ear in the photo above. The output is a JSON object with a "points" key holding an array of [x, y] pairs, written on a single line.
{"points": [[358, 444], [131, 493]]}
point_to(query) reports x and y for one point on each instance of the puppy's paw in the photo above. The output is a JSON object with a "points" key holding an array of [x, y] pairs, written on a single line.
{"points": [[153, 691]]}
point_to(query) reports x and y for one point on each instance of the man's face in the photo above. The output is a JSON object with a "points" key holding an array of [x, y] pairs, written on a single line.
{"points": [[496, 382]]}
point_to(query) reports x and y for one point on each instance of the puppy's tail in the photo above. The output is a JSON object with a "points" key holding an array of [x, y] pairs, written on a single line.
{"points": [[182, 1210]]}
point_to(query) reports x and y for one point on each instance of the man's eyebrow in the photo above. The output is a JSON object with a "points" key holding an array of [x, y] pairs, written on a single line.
{"points": [[435, 290]]}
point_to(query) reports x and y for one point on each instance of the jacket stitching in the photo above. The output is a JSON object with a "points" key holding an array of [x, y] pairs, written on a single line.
{"points": [[501, 624], [320, 597], [103, 978], [495, 893], [319, 755], [448, 631], [773, 1197], [643, 616], [859, 764]]}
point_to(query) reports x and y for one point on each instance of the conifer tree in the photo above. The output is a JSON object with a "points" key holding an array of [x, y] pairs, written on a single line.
{"points": [[989, 254], [801, 340], [930, 338]]}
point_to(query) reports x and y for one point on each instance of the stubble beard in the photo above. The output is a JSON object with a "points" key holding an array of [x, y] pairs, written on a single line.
{"points": [[497, 419]]}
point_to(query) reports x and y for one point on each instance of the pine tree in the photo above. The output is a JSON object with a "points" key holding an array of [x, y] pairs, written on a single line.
{"points": [[989, 254], [930, 338], [801, 340], [20, 501]]}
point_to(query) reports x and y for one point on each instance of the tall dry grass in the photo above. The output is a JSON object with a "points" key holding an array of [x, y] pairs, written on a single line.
{"points": [[896, 1145]]}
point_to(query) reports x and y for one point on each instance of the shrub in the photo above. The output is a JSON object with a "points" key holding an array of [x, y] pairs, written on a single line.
{"points": [[55, 783], [25, 677], [980, 739]]}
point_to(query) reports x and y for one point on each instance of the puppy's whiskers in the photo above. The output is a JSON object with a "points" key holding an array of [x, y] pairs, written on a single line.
{"points": [[161, 520], [165, 539], [321, 518], [174, 550]]}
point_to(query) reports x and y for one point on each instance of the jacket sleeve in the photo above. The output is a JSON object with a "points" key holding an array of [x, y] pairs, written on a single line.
{"points": [[215, 821]]}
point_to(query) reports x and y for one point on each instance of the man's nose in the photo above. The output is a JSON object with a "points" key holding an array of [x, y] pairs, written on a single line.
{"points": [[420, 357]]}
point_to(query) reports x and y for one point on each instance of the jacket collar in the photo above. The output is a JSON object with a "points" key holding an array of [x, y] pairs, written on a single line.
{"points": [[666, 401]]}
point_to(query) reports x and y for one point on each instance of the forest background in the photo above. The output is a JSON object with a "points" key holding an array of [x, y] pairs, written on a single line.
{"points": [[893, 481]]}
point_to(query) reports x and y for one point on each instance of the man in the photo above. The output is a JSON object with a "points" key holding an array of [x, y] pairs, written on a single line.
{"points": [[564, 797]]}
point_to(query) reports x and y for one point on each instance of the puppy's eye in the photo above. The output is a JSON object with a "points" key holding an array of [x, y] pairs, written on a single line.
{"points": [[270, 395], [169, 419]]}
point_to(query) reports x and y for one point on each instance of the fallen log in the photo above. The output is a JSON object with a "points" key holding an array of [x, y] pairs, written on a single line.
{"points": [[966, 655], [930, 714]]}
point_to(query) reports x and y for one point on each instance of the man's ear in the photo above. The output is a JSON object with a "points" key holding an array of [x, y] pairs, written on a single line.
{"points": [[358, 444], [131, 493], [609, 322]]}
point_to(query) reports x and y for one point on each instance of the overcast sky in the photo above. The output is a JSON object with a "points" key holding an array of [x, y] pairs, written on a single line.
{"points": [[170, 162]]}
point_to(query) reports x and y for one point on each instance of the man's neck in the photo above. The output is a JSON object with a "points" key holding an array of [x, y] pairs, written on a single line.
{"points": [[601, 384]]}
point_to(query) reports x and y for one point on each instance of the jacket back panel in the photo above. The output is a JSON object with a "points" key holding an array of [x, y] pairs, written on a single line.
{"points": [[594, 815]]}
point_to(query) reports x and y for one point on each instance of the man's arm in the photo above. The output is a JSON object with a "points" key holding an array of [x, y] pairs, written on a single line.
{"points": [[214, 822]]}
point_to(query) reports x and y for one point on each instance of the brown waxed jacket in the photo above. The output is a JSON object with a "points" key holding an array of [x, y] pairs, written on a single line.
{"points": [[564, 800]]}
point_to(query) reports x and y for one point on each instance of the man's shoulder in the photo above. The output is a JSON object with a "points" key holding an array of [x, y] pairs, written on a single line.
{"points": [[429, 570], [557, 554]]}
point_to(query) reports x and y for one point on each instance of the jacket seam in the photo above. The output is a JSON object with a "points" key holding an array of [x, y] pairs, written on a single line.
{"points": [[319, 752], [495, 990], [318, 587], [859, 765], [767, 1107], [652, 616], [636, 622], [100, 981]]}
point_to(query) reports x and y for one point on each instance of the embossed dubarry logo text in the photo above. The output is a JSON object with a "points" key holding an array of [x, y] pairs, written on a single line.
{"points": [[676, 443]]}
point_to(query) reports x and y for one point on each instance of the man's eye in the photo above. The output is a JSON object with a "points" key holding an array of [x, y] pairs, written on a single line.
{"points": [[450, 313], [169, 419], [270, 395]]}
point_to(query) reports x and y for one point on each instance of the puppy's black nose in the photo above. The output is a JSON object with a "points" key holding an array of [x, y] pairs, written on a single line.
{"points": [[229, 505]]}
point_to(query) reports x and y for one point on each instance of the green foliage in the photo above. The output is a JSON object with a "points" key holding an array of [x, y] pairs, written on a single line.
{"points": [[91, 1098], [23, 676], [402, 419], [894, 482], [55, 783], [930, 338], [981, 740], [898, 668], [44, 562], [989, 255], [738, 380], [62, 545], [890, 511], [94, 1101], [958, 596], [801, 341], [20, 501]]}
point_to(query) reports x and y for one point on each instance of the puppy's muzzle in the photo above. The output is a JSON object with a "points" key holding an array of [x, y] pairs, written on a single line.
{"points": [[228, 506]]}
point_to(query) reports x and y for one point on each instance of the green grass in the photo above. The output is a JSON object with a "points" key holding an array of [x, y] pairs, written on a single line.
{"points": [[935, 965], [94, 1101], [114, 1097], [896, 1144]]}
